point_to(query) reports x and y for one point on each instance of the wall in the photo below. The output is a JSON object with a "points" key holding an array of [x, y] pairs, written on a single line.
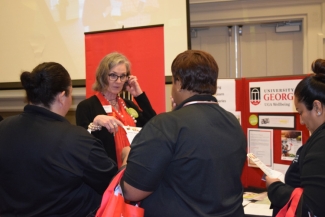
{"points": [[202, 13], [256, 50], [35, 31], [206, 13], [50, 30], [12, 102]]}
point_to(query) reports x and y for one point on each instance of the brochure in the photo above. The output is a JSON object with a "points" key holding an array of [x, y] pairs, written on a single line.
{"points": [[131, 132], [267, 170]]}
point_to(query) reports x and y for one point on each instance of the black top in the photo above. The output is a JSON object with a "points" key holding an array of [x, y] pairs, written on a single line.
{"points": [[49, 167], [307, 170], [89, 108], [192, 159]]}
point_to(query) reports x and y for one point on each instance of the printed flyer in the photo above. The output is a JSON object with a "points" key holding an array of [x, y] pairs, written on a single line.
{"points": [[291, 140]]}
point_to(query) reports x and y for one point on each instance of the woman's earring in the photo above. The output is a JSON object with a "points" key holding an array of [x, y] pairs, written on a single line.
{"points": [[318, 113]]}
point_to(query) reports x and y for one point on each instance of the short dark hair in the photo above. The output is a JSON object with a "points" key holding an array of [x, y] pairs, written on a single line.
{"points": [[45, 82], [197, 70], [312, 87]]}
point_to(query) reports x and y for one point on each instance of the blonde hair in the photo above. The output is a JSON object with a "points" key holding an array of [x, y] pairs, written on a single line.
{"points": [[105, 66]]}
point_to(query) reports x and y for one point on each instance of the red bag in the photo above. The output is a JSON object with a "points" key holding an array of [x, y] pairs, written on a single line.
{"points": [[289, 210], [114, 205]]}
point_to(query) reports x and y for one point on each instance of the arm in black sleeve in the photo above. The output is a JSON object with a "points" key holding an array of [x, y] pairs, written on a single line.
{"points": [[313, 175], [83, 114], [99, 170], [87, 110], [311, 178], [146, 112], [279, 193]]}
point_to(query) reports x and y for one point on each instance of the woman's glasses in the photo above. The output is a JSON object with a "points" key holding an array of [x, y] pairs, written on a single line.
{"points": [[114, 77]]}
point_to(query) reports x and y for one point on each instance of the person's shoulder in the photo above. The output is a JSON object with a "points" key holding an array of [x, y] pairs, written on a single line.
{"points": [[224, 112], [10, 120], [165, 117], [88, 101]]}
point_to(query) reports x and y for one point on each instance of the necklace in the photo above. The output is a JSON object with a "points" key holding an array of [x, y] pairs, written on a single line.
{"points": [[120, 114], [119, 103], [113, 101]]}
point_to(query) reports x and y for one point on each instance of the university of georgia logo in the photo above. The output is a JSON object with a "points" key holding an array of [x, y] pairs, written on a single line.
{"points": [[255, 95]]}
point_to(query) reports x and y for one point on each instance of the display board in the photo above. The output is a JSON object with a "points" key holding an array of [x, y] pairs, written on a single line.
{"points": [[251, 119], [144, 47]]}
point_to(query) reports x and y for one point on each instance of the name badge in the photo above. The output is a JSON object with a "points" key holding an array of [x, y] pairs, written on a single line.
{"points": [[108, 108]]}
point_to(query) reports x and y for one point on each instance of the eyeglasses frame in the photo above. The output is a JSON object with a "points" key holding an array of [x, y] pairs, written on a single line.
{"points": [[118, 77]]}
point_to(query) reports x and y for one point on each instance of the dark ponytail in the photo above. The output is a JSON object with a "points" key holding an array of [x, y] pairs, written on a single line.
{"points": [[45, 82], [312, 87]]}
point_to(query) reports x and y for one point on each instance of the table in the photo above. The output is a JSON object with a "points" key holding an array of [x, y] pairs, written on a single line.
{"points": [[256, 204]]}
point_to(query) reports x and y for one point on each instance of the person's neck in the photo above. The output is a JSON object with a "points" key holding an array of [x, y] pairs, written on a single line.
{"points": [[187, 94], [54, 107], [110, 96]]}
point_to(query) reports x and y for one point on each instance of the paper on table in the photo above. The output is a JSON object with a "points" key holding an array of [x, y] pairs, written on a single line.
{"points": [[258, 209], [254, 196], [267, 170], [131, 132], [245, 202]]}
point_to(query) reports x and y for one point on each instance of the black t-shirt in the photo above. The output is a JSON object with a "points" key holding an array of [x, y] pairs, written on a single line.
{"points": [[49, 167], [192, 160]]}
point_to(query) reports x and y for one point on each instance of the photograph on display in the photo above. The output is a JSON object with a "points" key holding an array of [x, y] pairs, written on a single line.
{"points": [[291, 140], [276, 121]]}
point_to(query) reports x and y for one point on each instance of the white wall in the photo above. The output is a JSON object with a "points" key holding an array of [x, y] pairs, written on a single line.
{"points": [[34, 31], [240, 12]]}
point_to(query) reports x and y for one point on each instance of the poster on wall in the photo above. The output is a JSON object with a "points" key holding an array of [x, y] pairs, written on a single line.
{"points": [[260, 143], [291, 141], [226, 94], [276, 121], [272, 96]]}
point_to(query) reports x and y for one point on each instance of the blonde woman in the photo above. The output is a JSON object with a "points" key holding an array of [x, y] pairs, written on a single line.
{"points": [[105, 113]]}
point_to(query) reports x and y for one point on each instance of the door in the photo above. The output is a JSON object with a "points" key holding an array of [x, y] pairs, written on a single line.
{"points": [[252, 50]]}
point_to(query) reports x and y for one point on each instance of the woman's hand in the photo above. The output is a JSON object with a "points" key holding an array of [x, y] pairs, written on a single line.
{"points": [[133, 86], [269, 180], [109, 122]]}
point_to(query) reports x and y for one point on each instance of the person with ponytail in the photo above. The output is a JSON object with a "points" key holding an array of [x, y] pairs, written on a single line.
{"points": [[49, 167], [307, 170]]}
